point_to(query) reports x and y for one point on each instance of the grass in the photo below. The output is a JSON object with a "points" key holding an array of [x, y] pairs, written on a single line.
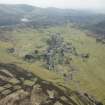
{"points": [[91, 73]]}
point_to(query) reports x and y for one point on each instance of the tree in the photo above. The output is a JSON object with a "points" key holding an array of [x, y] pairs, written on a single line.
{"points": [[54, 52], [57, 50]]}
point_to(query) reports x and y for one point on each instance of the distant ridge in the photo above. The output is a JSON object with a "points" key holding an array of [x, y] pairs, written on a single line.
{"points": [[12, 14], [36, 17]]}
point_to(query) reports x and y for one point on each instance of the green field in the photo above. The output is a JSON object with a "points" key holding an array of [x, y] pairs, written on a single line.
{"points": [[91, 73]]}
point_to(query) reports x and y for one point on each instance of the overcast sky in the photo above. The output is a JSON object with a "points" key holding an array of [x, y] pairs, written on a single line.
{"points": [[74, 4]]}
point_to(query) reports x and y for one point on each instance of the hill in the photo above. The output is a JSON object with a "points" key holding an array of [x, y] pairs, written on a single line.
{"points": [[38, 17], [98, 28], [24, 32], [24, 88], [90, 73]]}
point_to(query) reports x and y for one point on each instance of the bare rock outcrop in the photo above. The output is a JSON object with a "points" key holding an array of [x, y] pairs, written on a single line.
{"points": [[19, 87]]}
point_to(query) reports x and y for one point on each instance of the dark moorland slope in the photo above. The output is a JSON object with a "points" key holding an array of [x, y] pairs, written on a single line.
{"points": [[18, 87]]}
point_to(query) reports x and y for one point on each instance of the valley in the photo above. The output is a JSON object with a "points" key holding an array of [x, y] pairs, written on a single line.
{"points": [[56, 50], [90, 73]]}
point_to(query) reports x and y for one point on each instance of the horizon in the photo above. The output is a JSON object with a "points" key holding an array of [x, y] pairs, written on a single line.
{"points": [[93, 5], [87, 10]]}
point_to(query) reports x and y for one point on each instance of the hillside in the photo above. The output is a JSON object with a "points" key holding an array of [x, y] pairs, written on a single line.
{"points": [[98, 28], [24, 88], [48, 57], [39, 17], [90, 74]]}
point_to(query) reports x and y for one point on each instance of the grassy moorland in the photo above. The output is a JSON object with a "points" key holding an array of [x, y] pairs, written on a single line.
{"points": [[91, 73]]}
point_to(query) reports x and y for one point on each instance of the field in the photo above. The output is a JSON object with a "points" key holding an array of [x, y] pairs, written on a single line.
{"points": [[91, 73]]}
